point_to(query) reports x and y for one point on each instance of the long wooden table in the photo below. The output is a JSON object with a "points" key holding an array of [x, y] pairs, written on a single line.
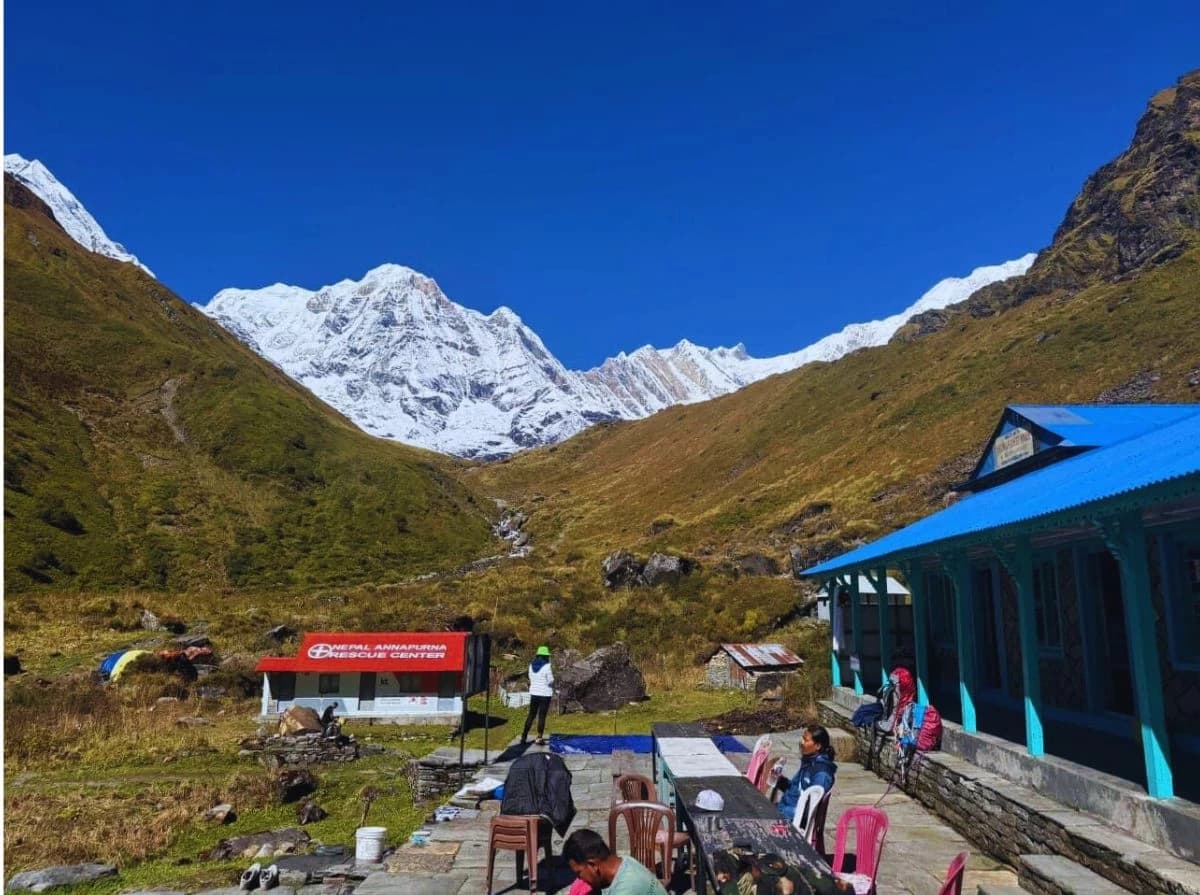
{"points": [[684, 758]]}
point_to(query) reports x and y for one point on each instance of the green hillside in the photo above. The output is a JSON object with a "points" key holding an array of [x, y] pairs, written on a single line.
{"points": [[147, 448], [805, 465]]}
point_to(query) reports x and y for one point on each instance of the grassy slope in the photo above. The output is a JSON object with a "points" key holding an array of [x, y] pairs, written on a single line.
{"points": [[146, 447], [878, 436]]}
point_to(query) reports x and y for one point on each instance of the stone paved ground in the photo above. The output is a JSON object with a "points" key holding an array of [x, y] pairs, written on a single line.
{"points": [[919, 846]]}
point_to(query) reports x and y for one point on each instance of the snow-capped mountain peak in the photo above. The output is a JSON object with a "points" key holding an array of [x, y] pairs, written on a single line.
{"points": [[401, 359], [68, 211]]}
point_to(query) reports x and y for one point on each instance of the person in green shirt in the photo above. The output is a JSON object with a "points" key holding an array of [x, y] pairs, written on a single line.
{"points": [[590, 859]]}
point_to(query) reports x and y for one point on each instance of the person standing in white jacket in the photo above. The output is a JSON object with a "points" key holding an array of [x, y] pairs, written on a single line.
{"points": [[541, 688]]}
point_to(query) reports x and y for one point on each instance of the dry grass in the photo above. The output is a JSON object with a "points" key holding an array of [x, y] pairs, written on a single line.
{"points": [[120, 823], [76, 722]]}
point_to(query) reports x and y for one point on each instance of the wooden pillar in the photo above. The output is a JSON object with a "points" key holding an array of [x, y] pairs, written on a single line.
{"points": [[879, 582], [1126, 537], [1018, 560], [856, 617], [913, 573], [958, 567]]}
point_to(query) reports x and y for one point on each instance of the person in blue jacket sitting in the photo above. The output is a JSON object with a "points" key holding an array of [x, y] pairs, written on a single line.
{"points": [[817, 768]]}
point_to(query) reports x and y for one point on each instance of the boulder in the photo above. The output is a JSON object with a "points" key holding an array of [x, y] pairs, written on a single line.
{"points": [[621, 569], [797, 560], [150, 622], [190, 640], [221, 814], [299, 719], [63, 875], [666, 568], [310, 812], [607, 679], [193, 721], [270, 842], [756, 564], [295, 785], [281, 633]]}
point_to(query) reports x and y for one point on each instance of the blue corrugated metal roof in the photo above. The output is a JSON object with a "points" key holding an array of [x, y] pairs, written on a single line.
{"points": [[1161, 455], [1097, 425]]}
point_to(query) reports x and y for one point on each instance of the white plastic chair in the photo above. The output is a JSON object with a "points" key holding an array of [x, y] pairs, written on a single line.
{"points": [[806, 811]]}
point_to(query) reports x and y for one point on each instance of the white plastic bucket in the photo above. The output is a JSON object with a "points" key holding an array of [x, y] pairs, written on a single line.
{"points": [[368, 844]]}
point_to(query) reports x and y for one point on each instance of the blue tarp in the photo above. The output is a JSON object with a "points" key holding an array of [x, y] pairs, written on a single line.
{"points": [[577, 744]]}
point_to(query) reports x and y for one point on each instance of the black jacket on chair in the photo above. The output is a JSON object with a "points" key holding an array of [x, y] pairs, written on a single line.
{"points": [[539, 783]]}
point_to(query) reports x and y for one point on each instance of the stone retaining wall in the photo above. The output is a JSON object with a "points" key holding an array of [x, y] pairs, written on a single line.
{"points": [[1008, 820], [305, 749], [437, 775]]}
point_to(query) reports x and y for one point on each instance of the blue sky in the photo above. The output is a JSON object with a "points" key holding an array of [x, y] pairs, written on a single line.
{"points": [[618, 174]]}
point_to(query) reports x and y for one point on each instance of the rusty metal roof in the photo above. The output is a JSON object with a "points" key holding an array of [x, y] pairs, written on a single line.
{"points": [[760, 655]]}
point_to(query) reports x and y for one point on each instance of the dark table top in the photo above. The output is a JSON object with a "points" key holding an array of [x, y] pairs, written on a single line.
{"points": [[748, 820], [712, 834], [741, 798], [663, 729]]}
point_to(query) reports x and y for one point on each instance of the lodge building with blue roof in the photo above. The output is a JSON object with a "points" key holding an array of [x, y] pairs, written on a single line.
{"points": [[1056, 603]]}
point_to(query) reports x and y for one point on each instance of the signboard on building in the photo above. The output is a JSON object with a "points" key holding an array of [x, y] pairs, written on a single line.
{"points": [[1014, 445]]}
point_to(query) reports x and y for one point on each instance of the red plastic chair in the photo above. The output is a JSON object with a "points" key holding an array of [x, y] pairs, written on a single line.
{"points": [[524, 834], [954, 876], [652, 836], [870, 829], [634, 788]]}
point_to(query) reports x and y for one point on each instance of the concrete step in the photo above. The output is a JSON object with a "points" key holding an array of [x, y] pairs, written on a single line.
{"points": [[1056, 875]]}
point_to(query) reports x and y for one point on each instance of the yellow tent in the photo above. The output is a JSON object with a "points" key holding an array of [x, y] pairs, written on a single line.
{"points": [[124, 661]]}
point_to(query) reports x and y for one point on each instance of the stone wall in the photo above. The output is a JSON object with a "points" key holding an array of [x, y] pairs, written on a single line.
{"points": [[718, 674], [1007, 819], [305, 749], [437, 775]]}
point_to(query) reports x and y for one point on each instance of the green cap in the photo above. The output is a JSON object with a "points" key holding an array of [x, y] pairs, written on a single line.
{"points": [[543, 651]]}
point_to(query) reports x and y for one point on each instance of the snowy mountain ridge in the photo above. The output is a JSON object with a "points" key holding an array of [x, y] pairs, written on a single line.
{"points": [[402, 360], [68, 211]]}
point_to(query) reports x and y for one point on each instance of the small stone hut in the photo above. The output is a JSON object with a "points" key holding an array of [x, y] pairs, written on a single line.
{"points": [[760, 667]]}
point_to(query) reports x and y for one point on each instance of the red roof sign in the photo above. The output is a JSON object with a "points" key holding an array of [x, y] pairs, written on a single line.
{"points": [[392, 651]]}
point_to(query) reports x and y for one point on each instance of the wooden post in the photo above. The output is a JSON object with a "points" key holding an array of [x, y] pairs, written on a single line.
{"points": [[913, 574], [958, 567], [1018, 560], [856, 616], [835, 669], [1126, 537], [879, 581]]}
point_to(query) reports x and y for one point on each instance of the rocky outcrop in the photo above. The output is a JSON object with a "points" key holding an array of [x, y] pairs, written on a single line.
{"points": [[64, 875], [266, 844], [607, 679], [623, 569], [1139, 210]]}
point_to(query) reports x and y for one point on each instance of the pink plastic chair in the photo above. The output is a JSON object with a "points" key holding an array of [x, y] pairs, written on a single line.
{"points": [[756, 771], [870, 829], [954, 876]]}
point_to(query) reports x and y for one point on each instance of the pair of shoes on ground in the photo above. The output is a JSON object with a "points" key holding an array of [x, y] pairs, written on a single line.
{"points": [[257, 878]]}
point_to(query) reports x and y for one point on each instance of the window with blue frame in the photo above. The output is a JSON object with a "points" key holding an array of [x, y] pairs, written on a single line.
{"points": [[1046, 608], [1183, 592]]}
